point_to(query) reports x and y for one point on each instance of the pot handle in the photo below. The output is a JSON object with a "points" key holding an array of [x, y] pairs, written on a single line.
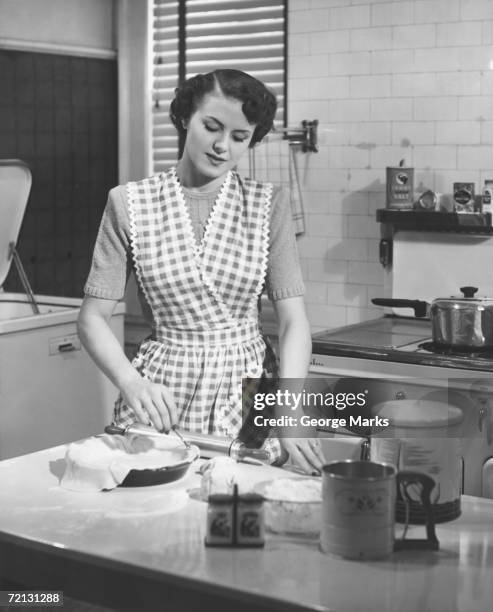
{"points": [[420, 307], [468, 291], [404, 480]]}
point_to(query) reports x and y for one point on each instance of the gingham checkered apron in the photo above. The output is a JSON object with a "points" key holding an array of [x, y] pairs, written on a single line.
{"points": [[203, 297]]}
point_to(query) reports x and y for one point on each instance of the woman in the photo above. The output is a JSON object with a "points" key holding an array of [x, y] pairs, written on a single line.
{"points": [[202, 242]]}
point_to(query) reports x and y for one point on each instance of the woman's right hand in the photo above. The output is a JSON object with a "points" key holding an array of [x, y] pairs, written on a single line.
{"points": [[150, 402]]}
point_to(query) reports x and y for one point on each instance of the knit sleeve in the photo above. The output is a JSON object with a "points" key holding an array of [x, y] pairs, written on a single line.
{"points": [[284, 278], [111, 261]]}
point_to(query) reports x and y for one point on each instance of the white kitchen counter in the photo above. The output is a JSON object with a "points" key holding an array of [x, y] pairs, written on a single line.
{"points": [[142, 549]]}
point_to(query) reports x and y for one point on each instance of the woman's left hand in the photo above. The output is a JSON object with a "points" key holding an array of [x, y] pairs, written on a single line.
{"points": [[304, 453]]}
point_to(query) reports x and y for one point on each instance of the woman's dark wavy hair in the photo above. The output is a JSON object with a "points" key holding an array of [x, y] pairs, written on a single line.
{"points": [[259, 103]]}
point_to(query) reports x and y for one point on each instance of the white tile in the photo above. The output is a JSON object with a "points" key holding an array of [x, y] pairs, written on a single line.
{"points": [[349, 110], [373, 253], [333, 41], [437, 60], [327, 3], [299, 44], [359, 315], [325, 225], [350, 63], [308, 109], [328, 88], [413, 36], [458, 83], [370, 134], [435, 157], [476, 9], [330, 180], [350, 203], [453, 58], [365, 273], [347, 295], [486, 81], [326, 317], [347, 249], [367, 180], [458, 132], [312, 247], [300, 5], [422, 84], [348, 157], [370, 86], [436, 109], [326, 270], [299, 89], [478, 108], [317, 202], [309, 21], [406, 133], [392, 109], [394, 61], [331, 134], [478, 157], [487, 32], [303, 66], [458, 33], [384, 156], [375, 202], [426, 11], [349, 17], [392, 13], [359, 226], [316, 293], [486, 132], [371, 39]]}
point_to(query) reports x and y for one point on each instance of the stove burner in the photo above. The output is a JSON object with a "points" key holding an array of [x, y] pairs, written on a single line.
{"points": [[439, 349]]}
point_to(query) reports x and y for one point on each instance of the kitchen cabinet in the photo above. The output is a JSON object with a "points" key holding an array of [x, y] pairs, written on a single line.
{"points": [[143, 549]]}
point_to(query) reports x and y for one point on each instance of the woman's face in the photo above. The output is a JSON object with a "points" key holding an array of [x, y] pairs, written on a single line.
{"points": [[218, 134]]}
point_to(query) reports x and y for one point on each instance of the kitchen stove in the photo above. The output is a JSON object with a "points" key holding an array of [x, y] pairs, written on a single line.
{"points": [[400, 340], [394, 354]]}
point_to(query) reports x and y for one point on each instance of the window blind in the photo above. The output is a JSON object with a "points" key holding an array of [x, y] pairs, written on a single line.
{"points": [[247, 35]]}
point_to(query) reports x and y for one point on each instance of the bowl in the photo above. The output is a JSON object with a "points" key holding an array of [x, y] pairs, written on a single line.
{"points": [[292, 506]]}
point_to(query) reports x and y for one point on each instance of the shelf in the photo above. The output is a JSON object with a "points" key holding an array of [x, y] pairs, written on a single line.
{"points": [[432, 221]]}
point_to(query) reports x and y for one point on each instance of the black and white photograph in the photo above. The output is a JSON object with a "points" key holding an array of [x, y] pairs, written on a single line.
{"points": [[246, 305]]}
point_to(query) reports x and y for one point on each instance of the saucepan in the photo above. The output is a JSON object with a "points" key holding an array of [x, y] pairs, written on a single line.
{"points": [[457, 322]]}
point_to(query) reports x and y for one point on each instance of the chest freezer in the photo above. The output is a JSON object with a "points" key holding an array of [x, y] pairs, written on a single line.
{"points": [[50, 390]]}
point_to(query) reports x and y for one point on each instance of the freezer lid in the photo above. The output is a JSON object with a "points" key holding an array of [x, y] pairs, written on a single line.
{"points": [[15, 186]]}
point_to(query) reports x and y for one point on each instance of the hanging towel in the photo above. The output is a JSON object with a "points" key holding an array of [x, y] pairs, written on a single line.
{"points": [[274, 160]]}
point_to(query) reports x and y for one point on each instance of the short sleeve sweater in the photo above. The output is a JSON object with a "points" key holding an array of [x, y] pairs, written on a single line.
{"points": [[112, 258]]}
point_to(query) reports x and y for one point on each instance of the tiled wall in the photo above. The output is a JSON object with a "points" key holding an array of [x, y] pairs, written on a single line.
{"points": [[388, 80], [58, 114]]}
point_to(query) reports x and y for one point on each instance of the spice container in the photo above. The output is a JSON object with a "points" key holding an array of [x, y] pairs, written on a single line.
{"points": [[464, 200], [250, 520], [220, 520], [400, 187], [487, 197]]}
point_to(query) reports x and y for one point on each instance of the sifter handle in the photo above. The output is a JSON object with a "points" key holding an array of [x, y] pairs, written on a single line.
{"points": [[114, 430]]}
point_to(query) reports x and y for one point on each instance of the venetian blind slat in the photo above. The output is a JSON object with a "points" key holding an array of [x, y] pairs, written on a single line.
{"points": [[241, 34]]}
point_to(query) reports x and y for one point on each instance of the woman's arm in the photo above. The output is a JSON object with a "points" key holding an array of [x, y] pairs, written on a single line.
{"points": [[150, 401], [295, 347]]}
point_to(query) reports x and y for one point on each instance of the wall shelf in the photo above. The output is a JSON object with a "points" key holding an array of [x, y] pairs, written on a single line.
{"points": [[432, 221]]}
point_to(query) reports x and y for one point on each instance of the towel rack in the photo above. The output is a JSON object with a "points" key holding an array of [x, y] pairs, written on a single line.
{"points": [[306, 135]]}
